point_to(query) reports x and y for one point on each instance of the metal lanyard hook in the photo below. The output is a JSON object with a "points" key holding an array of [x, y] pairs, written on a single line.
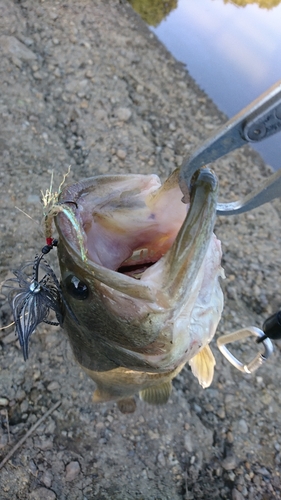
{"points": [[258, 360], [271, 330]]}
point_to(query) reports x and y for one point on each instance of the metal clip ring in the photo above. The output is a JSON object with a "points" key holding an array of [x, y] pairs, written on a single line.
{"points": [[242, 334]]}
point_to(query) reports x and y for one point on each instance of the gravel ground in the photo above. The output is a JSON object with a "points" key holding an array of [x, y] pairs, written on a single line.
{"points": [[85, 84]]}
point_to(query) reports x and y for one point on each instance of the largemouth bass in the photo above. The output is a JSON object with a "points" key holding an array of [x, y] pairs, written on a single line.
{"points": [[140, 280]]}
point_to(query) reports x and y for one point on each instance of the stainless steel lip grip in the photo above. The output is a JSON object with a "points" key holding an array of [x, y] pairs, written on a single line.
{"points": [[259, 120]]}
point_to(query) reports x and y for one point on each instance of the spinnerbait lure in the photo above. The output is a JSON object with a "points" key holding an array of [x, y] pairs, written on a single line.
{"points": [[34, 293]]}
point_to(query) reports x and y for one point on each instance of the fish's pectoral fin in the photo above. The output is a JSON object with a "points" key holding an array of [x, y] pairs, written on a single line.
{"points": [[127, 405], [157, 394], [202, 366]]}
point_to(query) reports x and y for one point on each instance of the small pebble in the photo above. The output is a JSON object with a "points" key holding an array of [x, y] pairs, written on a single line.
{"points": [[188, 443], [45, 444], [43, 494], [197, 408], [221, 413], [4, 402], [229, 437], [72, 471], [84, 104], [36, 374], [53, 386], [3, 441], [47, 478], [53, 16], [24, 406], [100, 114], [99, 425], [236, 495], [229, 463], [231, 476], [38, 75], [243, 427], [32, 467], [121, 154], [161, 459], [123, 114], [28, 42], [57, 72]]}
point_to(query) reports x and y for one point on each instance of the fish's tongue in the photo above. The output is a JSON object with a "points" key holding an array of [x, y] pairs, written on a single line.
{"points": [[138, 262], [135, 271]]}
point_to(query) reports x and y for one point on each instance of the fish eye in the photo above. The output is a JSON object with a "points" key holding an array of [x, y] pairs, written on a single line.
{"points": [[76, 288]]}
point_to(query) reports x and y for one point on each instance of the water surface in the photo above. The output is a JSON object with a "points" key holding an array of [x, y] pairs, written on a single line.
{"points": [[233, 53]]}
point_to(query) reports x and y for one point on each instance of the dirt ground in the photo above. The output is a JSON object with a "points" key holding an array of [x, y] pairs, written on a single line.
{"points": [[85, 84]]}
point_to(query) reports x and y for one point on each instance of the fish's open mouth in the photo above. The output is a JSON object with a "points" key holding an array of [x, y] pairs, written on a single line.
{"points": [[131, 252], [130, 225]]}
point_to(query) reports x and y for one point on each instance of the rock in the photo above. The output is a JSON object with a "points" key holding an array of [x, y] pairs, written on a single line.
{"points": [[188, 443], [243, 427], [28, 41], [121, 154], [13, 46], [53, 386], [53, 16], [43, 494], [72, 471], [33, 467], [47, 478], [229, 463], [3, 441], [44, 444], [123, 114], [100, 115], [11, 337], [40, 75], [229, 437], [236, 495], [4, 402], [161, 459], [57, 72], [24, 406], [197, 408]]}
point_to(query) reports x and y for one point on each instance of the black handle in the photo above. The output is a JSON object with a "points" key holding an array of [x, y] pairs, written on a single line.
{"points": [[272, 326]]}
